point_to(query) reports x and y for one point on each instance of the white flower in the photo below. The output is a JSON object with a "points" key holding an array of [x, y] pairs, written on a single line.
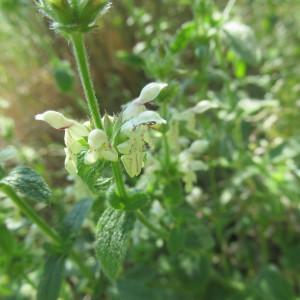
{"points": [[195, 196], [137, 122], [199, 146], [151, 91], [148, 94], [189, 115], [99, 148], [70, 162], [133, 153], [55, 119], [147, 118], [59, 121], [188, 165], [97, 138]]}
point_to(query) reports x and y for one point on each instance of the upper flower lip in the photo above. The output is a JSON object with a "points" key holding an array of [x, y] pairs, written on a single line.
{"points": [[147, 118], [148, 94], [55, 119]]}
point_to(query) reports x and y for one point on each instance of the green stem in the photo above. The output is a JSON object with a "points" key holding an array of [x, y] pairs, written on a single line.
{"points": [[119, 180], [149, 225], [32, 215], [123, 193], [89, 91], [166, 147], [80, 263], [44, 227], [85, 77]]}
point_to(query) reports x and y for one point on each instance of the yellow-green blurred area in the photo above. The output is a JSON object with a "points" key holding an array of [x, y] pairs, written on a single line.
{"points": [[243, 55]]}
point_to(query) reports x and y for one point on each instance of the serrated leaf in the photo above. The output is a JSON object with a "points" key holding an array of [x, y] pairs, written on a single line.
{"points": [[74, 219], [52, 277], [27, 183], [112, 237], [242, 40]]}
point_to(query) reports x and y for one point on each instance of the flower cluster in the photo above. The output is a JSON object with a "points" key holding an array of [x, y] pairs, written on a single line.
{"points": [[133, 134], [73, 15], [76, 135], [189, 163], [137, 121]]}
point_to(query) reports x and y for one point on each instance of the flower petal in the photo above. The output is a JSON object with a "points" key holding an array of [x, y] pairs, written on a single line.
{"points": [[132, 109], [73, 145], [110, 155], [146, 118], [55, 119], [151, 91], [91, 157], [97, 138], [133, 163], [70, 164]]}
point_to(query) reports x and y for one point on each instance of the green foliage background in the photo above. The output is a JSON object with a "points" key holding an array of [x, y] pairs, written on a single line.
{"points": [[235, 235]]}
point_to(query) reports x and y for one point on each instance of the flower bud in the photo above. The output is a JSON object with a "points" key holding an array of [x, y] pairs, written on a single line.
{"points": [[91, 9], [73, 15], [108, 122], [151, 91]]}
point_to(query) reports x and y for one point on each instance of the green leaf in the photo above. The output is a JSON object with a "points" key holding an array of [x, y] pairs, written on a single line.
{"points": [[28, 184], [92, 175], [176, 240], [74, 219], [52, 277], [112, 237], [7, 241], [242, 40], [183, 36]]}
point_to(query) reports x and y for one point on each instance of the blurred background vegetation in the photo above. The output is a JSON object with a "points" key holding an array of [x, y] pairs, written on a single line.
{"points": [[249, 196]]}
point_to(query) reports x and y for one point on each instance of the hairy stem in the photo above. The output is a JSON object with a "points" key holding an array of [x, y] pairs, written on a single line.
{"points": [[119, 180], [32, 215], [123, 193], [85, 77], [88, 87]]}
